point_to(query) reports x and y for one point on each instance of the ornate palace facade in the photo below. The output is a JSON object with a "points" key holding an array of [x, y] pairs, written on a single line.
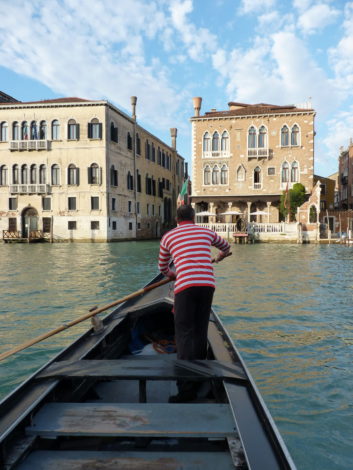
{"points": [[244, 158]]}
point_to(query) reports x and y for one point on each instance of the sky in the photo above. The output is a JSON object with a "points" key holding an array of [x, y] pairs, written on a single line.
{"points": [[167, 51]]}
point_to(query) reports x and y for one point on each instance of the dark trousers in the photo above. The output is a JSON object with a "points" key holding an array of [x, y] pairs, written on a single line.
{"points": [[192, 309]]}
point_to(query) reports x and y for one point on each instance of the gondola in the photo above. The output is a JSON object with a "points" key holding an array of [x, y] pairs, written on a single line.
{"points": [[102, 403]]}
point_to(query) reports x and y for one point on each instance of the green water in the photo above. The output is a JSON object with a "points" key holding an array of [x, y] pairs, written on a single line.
{"points": [[287, 307]]}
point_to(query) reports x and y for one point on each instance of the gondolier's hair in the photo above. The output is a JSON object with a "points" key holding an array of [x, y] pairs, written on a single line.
{"points": [[185, 212]]}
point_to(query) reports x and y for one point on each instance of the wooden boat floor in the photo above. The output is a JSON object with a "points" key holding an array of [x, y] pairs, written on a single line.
{"points": [[135, 420], [160, 367], [90, 460]]}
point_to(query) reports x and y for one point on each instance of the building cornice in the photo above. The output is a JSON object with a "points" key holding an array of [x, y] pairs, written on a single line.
{"points": [[252, 116]]}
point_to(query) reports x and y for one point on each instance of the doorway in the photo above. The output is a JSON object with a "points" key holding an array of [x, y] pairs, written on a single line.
{"points": [[29, 221]]}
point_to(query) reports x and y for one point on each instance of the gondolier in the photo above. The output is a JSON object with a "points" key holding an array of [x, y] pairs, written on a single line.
{"points": [[189, 246]]}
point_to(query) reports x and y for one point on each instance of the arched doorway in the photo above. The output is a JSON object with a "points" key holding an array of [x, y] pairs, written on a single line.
{"points": [[29, 221]]}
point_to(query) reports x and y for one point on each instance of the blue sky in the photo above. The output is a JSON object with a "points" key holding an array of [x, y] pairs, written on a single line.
{"points": [[167, 51]]}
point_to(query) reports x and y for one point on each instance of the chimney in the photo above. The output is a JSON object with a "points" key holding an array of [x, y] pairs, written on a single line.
{"points": [[197, 105], [133, 106], [173, 134]]}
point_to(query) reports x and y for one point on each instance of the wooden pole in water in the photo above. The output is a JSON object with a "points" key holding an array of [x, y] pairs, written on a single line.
{"points": [[90, 314]]}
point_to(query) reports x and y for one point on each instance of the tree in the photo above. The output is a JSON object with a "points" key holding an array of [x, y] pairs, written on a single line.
{"points": [[294, 199]]}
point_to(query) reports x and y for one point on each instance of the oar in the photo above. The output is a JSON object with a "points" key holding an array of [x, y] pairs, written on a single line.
{"points": [[90, 314]]}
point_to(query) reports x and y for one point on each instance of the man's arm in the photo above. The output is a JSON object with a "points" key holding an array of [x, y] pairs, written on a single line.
{"points": [[164, 260], [223, 246]]}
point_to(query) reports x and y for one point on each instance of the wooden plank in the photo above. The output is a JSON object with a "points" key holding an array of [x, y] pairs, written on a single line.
{"points": [[139, 419], [163, 368], [84, 460]]}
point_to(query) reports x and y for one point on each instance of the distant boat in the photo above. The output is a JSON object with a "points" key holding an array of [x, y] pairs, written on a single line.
{"points": [[103, 402]]}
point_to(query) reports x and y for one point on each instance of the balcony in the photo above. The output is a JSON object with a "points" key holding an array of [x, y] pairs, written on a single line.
{"points": [[215, 154], [259, 153], [20, 145], [257, 185], [30, 189]]}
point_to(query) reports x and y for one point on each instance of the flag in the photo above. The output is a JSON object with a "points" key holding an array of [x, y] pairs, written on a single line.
{"points": [[183, 197]]}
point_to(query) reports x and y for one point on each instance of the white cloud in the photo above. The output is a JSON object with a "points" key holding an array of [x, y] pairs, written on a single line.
{"points": [[91, 52], [276, 21], [255, 6], [198, 42], [317, 18], [302, 5], [275, 68], [341, 55], [340, 130]]}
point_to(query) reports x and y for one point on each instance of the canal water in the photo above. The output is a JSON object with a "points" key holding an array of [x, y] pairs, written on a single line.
{"points": [[287, 307]]}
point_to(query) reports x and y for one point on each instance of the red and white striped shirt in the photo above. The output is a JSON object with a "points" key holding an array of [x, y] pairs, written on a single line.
{"points": [[189, 246]]}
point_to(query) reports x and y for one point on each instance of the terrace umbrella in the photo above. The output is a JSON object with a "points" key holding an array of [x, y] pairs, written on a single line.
{"points": [[259, 213], [231, 213], [205, 213]]}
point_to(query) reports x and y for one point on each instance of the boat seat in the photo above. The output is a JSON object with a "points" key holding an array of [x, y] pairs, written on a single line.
{"points": [[82, 460], [133, 420], [161, 368]]}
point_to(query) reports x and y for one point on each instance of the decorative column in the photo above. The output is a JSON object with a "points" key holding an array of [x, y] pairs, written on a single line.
{"points": [[249, 210], [212, 209], [268, 211], [229, 210]]}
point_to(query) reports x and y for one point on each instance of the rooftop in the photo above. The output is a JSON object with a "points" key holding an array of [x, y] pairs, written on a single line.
{"points": [[243, 109]]}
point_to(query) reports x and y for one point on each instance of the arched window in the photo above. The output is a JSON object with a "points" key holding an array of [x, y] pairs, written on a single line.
{"points": [[3, 175], [207, 175], [43, 130], [130, 181], [241, 173], [262, 137], [55, 130], [284, 136], [15, 131], [33, 174], [15, 176], [138, 145], [215, 175], [129, 141], [224, 174], [34, 130], [24, 174], [252, 138], [312, 214], [113, 176], [24, 130], [55, 175], [72, 175], [206, 142], [95, 130], [294, 174], [3, 131], [225, 142], [285, 172], [257, 178], [114, 133], [42, 174], [72, 130], [94, 174], [295, 136], [215, 142]]}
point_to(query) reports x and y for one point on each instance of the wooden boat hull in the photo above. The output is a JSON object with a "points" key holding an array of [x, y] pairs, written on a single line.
{"points": [[97, 404]]}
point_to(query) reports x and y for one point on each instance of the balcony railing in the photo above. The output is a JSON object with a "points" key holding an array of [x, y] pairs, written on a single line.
{"points": [[259, 153], [30, 189], [29, 145], [216, 154], [257, 185]]}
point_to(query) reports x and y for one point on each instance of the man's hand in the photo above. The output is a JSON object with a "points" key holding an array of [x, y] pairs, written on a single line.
{"points": [[221, 256], [171, 274]]}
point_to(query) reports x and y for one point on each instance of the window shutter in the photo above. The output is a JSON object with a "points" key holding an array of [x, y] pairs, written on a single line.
{"points": [[89, 175], [77, 176], [68, 131], [100, 175], [100, 130], [89, 130], [78, 131]]}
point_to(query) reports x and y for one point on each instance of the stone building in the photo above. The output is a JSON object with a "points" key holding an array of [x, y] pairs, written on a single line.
{"points": [[327, 195], [345, 178], [244, 158], [79, 169]]}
